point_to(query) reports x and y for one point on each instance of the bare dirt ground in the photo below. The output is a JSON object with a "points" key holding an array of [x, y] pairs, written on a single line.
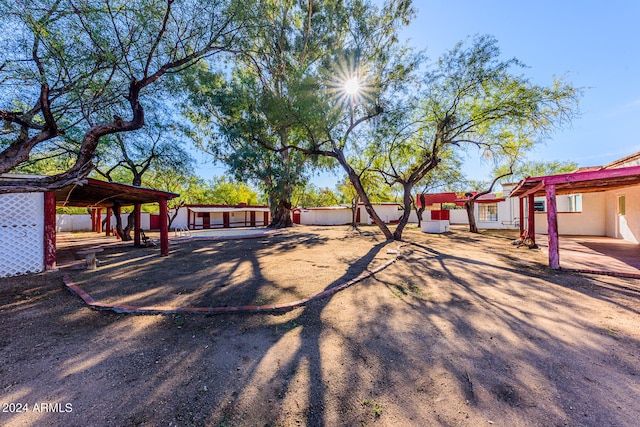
{"points": [[463, 330]]}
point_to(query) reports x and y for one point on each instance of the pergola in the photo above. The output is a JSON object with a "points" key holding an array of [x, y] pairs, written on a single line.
{"points": [[99, 195], [569, 183]]}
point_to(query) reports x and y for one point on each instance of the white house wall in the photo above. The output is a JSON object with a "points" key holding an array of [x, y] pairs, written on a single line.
{"points": [[325, 216], [181, 219], [458, 217], [590, 222], [387, 213], [506, 218]]}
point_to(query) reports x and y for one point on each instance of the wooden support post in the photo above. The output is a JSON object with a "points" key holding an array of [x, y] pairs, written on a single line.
{"points": [[552, 221], [164, 226], [108, 223], [99, 220], [531, 226], [521, 201], [136, 233], [93, 220], [49, 230]]}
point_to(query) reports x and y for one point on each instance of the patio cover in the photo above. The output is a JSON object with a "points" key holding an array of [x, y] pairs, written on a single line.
{"points": [[102, 194], [569, 183], [579, 182]]}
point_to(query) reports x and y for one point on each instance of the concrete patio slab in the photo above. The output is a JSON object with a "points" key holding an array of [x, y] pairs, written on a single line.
{"points": [[596, 254]]}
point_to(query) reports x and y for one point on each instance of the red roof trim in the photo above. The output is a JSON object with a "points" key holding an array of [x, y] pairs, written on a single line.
{"points": [[573, 177], [126, 187]]}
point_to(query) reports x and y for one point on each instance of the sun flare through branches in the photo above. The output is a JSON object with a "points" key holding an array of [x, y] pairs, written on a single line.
{"points": [[349, 84]]}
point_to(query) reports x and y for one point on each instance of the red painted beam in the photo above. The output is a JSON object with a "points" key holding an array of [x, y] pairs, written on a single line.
{"points": [[592, 175], [108, 224], [534, 190], [552, 221], [99, 220], [531, 226], [49, 230], [137, 228], [521, 201], [164, 226]]}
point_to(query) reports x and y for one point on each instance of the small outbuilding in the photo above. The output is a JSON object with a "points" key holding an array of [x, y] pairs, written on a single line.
{"points": [[206, 216]]}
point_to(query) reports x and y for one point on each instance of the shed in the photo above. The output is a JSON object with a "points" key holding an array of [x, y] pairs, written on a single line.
{"points": [[204, 216]]}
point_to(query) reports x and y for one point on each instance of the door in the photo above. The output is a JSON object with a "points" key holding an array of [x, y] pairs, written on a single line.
{"points": [[252, 218], [621, 219], [225, 219], [296, 217], [154, 222], [206, 220]]}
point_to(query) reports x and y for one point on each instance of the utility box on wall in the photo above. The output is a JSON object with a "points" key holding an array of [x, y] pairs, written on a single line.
{"points": [[21, 233]]}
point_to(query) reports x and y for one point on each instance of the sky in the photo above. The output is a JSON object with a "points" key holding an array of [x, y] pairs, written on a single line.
{"points": [[595, 45]]}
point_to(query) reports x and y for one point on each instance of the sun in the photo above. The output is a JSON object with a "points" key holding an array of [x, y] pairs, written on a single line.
{"points": [[352, 86], [349, 84]]}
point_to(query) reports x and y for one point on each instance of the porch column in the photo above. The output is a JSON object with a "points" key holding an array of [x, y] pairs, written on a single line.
{"points": [[552, 221], [99, 220], [49, 230], [136, 234], [93, 219], [108, 223], [521, 201], [164, 226], [531, 226]]}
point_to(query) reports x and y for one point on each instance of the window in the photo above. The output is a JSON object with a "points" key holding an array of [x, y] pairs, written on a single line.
{"points": [[538, 206], [622, 208], [575, 203], [487, 211]]}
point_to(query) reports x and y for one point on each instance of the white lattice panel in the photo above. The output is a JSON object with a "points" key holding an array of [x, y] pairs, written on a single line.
{"points": [[21, 233]]}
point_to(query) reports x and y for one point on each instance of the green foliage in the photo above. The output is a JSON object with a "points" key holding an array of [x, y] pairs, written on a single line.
{"points": [[471, 99], [272, 115], [73, 73], [311, 196], [224, 191], [527, 169]]}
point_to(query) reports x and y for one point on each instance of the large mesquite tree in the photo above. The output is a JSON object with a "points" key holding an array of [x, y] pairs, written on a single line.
{"points": [[284, 104], [84, 68], [470, 98], [250, 118]]}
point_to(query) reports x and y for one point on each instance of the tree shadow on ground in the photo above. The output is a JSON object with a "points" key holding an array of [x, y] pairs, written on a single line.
{"points": [[443, 337]]}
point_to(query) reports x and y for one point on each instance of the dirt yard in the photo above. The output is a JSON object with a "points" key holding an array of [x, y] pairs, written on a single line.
{"points": [[463, 330]]}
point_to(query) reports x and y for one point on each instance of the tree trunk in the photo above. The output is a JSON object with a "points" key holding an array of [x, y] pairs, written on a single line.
{"points": [[420, 210], [175, 215], [123, 233], [131, 223], [354, 212], [404, 219], [469, 206], [355, 180], [281, 215]]}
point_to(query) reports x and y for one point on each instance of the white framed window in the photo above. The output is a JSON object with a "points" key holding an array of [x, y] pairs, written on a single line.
{"points": [[575, 203], [488, 212]]}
